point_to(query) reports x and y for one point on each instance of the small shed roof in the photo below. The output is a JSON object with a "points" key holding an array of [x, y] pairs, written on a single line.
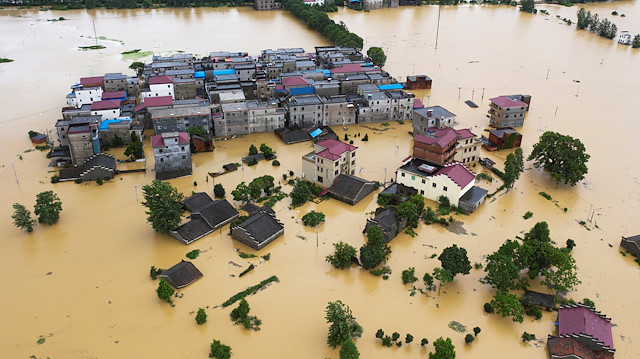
{"points": [[181, 274], [262, 226], [196, 202], [541, 299], [350, 187]]}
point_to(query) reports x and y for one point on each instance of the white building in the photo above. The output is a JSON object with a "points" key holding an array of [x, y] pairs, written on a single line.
{"points": [[467, 147], [108, 109], [314, 2], [432, 181], [624, 38], [83, 96], [172, 154], [429, 117], [329, 159], [159, 86]]}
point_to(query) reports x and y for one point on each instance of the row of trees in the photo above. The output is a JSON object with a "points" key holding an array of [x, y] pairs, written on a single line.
{"points": [[48, 207], [528, 6], [604, 28], [319, 21], [127, 4]]}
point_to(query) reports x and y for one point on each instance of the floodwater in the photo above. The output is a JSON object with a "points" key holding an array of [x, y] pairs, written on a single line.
{"points": [[83, 283]]}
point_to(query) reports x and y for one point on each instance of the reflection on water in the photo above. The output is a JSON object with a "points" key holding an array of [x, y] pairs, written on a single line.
{"points": [[98, 299]]}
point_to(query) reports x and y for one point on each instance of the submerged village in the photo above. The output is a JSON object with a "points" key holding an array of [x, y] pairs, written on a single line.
{"points": [[180, 107]]}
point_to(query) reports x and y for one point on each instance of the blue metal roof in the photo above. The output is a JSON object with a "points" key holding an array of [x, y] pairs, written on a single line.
{"points": [[302, 90], [224, 72], [327, 73], [316, 133], [390, 87], [104, 125], [199, 74]]}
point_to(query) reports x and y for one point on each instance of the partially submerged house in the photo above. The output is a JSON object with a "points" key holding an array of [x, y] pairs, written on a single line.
{"points": [[418, 82], [172, 152], [502, 138], [429, 117], [544, 300], [258, 230], [508, 111], [329, 159], [350, 189], [388, 222], [582, 333], [181, 274], [207, 215], [632, 244]]}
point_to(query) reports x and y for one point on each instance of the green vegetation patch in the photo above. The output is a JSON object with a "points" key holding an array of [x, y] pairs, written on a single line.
{"points": [[457, 326], [193, 254], [135, 55], [92, 47], [249, 291], [3, 59]]}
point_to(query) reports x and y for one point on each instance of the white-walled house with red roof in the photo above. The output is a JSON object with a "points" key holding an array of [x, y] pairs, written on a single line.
{"points": [[159, 86], [329, 159], [172, 153], [454, 181], [108, 109]]}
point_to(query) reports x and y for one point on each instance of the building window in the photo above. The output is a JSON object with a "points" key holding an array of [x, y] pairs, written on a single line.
{"points": [[433, 185], [184, 157], [424, 181], [336, 172], [444, 188], [162, 160], [320, 179], [413, 178], [182, 148], [422, 192], [402, 174]]}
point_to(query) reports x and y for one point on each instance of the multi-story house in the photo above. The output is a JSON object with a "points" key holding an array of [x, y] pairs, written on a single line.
{"points": [[108, 109], [338, 111], [115, 82], [434, 149], [329, 159], [181, 119], [305, 110], [159, 86], [84, 142], [430, 117], [172, 154], [507, 112], [264, 116], [401, 105], [81, 95], [376, 107], [234, 120], [468, 146]]}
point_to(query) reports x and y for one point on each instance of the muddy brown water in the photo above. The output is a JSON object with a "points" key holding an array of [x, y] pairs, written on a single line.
{"points": [[98, 300]]}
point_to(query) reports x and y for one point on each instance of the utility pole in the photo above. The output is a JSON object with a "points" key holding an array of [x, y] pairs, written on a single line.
{"points": [[385, 176], [578, 92], [438, 27], [473, 91], [547, 74], [459, 92], [95, 34], [14, 173], [554, 115], [135, 186], [483, 94], [428, 100]]}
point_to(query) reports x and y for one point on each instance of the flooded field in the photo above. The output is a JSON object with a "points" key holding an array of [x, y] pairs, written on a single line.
{"points": [[83, 283]]}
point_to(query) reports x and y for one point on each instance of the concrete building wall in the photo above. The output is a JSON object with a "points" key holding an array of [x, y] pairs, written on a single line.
{"points": [[115, 85], [172, 159], [506, 117], [107, 114], [185, 90], [81, 147], [181, 124], [468, 150], [97, 172], [159, 90], [339, 113], [432, 187], [265, 119]]}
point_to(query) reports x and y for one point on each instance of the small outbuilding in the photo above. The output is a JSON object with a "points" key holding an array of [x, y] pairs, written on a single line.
{"points": [[388, 222], [181, 274], [350, 189], [258, 230], [632, 244], [541, 299], [205, 217], [471, 200]]}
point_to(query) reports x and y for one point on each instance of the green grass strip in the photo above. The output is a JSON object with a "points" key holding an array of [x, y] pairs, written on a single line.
{"points": [[251, 290]]}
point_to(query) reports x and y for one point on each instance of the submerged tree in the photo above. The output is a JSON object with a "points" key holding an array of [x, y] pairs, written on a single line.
{"points": [[342, 255], [564, 156], [377, 56], [513, 167], [164, 291], [376, 250], [349, 350], [22, 217], [219, 350], [218, 191], [343, 326], [444, 349], [508, 305], [528, 6], [47, 207], [201, 316], [163, 203], [454, 259]]}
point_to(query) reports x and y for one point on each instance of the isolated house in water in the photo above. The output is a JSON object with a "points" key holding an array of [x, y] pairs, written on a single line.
{"points": [[388, 222], [582, 333], [350, 189], [181, 274], [632, 244], [508, 111], [207, 215], [258, 230]]}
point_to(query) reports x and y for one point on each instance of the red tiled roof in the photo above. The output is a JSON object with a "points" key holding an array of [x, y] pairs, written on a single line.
{"points": [[564, 346], [579, 319], [458, 173], [105, 105], [505, 102], [294, 81], [155, 101], [92, 81], [113, 94], [334, 148], [465, 133], [157, 140], [442, 138], [156, 80], [417, 103], [347, 68]]}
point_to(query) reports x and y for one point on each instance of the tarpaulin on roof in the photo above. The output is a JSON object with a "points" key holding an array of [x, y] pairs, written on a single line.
{"points": [[316, 133], [327, 73], [224, 72], [199, 74], [390, 87], [302, 90], [104, 125]]}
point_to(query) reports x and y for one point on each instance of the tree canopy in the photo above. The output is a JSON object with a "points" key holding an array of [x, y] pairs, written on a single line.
{"points": [[455, 260], [313, 219], [219, 350], [22, 217], [513, 167], [164, 208], [343, 326], [377, 56], [564, 156], [349, 350], [444, 349], [164, 290], [301, 192], [48, 207], [376, 250], [508, 305], [342, 255]]}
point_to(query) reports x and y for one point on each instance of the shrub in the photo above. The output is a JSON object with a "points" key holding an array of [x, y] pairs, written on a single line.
{"points": [[476, 331], [193, 254], [589, 302], [219, 350], [386, 341], [164, 291], [469, 339], [201, 316], [218, 191], [528, 337], [408, 339], [528, 215], [380, 334], [395, 336], [342, 255], [275, 163], [366, 137], [408, 275], [424, 342], [570, 243], [153, 272], [99, 181], [488, 308]]}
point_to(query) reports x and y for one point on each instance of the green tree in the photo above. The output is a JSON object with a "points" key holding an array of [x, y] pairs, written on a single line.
{"points": [[635, 43], [408, 339], [164, 291], [138, 67], [562, 275], [570, 244], [476, 331], [241, 312], [48, 207], [163, 203], [508, 305], [395, 336], [428, 280], [528, 6], [134, 150], [253, 150], [444, 349], [443, 275], [313, 219], [376, 250], [22, 217], [513, 167], [349, 350], [455, 260], [563, 156], [196, 131], [503, 267], [377, 56], [409, 276], [117, 141], [342, 255], [201, 316], [469, 339], [583, 19], [266, 150], [343, 325], [380, 334], [424, 342], [409, 211], [300, 193], [218, 191], [241, 193], [219, 350]]}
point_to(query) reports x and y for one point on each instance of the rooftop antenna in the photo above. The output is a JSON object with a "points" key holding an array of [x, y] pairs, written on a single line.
{"points": [[438, 27], [95, 35]]}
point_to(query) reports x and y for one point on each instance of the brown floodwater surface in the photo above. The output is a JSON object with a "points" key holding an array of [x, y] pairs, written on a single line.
{"points": [[83, 283]]}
